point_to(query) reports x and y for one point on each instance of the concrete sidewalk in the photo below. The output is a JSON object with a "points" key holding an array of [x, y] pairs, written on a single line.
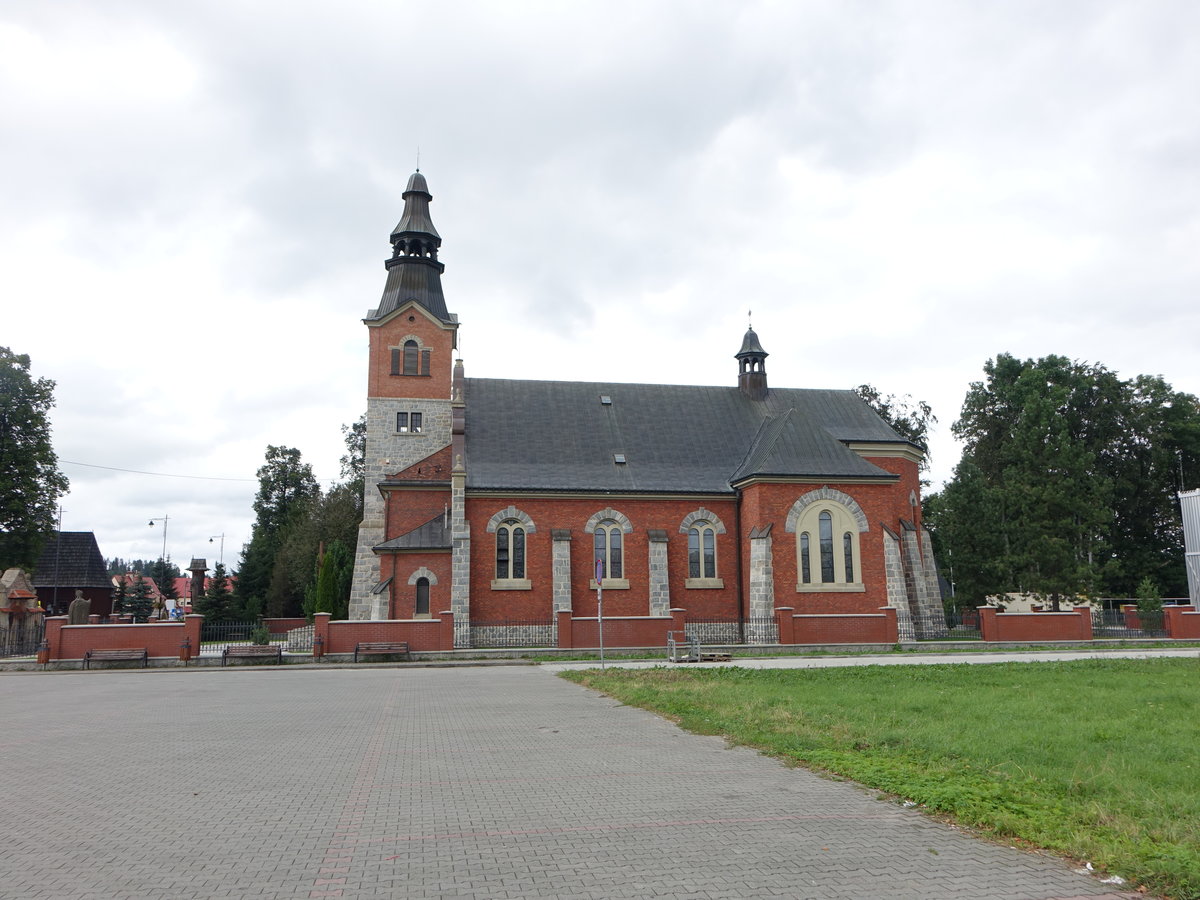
{"points": [[923, 658], [480, 782]]}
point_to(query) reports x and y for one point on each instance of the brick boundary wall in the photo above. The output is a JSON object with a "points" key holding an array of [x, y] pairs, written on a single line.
{"points": [[619, 631], [343, 635], [1182, 622], [838, 628], [178, 640], [1035, 626]]}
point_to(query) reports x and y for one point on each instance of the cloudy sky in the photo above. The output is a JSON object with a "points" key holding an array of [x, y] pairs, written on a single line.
{"points": [[195, 201]]}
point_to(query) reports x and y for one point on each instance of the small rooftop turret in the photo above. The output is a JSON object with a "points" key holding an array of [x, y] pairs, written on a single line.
{"points": [[752, 362]]}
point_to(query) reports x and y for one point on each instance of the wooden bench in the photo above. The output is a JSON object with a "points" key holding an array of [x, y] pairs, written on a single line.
{"points": [[252, 651], [382, 648], [91, 656]]}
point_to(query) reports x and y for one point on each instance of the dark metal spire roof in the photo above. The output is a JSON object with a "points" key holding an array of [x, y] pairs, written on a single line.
{"points": [[416, 210], [750, 346], [414, 272]]}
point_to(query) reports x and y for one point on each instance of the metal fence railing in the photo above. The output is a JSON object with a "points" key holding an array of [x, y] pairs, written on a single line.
{"points": [[734, 631], [24, 640], [299, 640], [1115, 623], [498, 634], [216, 635], [947, 625]]}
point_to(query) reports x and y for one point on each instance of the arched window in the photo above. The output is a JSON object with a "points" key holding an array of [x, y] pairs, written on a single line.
{"points": [[827, 525], [702, 550], [608, 548], [510, 550], [422, 608], [411, 357]]}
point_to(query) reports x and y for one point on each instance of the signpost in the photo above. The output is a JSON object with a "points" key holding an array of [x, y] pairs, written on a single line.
{"points": [[600, 607]]}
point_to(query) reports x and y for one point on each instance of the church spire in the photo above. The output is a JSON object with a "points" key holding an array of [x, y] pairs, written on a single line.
{"points": [[752, 363], [414, 272]]}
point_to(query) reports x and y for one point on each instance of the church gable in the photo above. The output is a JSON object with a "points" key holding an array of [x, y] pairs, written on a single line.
{"points": [[792, 445]]}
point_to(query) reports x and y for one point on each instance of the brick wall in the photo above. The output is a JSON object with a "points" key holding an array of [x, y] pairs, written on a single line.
{"points": [[161, 639], [421, 634], [771, 503], [763, 504], [573, 514], [1037, 626], [401, 567], [411, 508], [626, 631], [431, 335], [872, 628], [1182, 622]]}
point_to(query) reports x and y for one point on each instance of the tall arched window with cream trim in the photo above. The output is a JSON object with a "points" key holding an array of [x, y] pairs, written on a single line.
{"points": [[827, 549]]}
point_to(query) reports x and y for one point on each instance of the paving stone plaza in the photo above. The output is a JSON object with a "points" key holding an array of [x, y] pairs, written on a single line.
{"points": [[436, 782]]}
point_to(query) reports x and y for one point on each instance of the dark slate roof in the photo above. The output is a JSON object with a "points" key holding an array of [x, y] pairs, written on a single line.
{"points": [[433, 535], [793, 439], [558, 436], [76, 557], [414, 278]]}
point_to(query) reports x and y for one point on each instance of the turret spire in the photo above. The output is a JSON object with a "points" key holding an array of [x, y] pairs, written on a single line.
{"points": [[414, 272], [752, 361]]}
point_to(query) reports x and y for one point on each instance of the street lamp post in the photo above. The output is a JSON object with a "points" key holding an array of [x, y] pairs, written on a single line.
{"points": [[221, 558], [162, 560]]}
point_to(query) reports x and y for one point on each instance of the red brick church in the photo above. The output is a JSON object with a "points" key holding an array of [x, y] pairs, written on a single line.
{"points": [[504, 500]]}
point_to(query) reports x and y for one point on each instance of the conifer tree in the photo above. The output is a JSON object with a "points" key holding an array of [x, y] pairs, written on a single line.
{"points": [[138, 601], [216, 603]]}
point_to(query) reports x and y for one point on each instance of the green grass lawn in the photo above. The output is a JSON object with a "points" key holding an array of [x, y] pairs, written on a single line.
{"points": [[1097, 760]]}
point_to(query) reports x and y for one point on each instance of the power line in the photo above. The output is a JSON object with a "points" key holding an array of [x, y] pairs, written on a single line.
{"points": [[158, 474]]}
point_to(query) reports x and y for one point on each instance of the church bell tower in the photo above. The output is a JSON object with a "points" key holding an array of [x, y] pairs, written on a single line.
{"points": [[409, 379]]}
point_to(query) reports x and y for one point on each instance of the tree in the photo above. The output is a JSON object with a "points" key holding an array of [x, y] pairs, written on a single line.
{"points": [[216, 603], [1067, 481], [334, 574], [286, 485], [333, 517], [354, 463], [165, 573], [909, 418], [283, 483], [30, 482], [138, 601]]}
